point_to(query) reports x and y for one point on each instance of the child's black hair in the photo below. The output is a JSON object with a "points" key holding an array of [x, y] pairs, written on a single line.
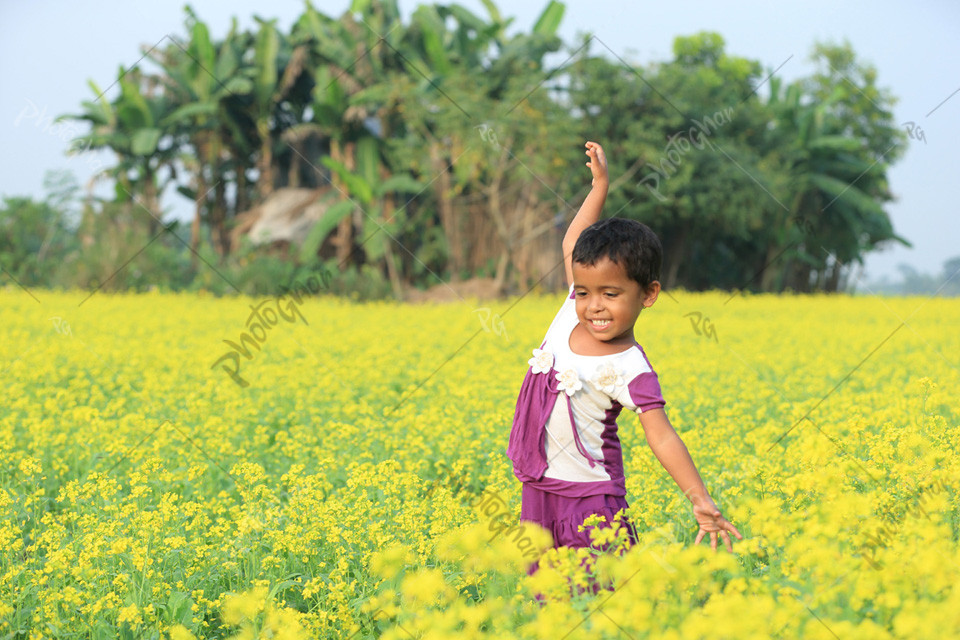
{"points": [[625, 242]]}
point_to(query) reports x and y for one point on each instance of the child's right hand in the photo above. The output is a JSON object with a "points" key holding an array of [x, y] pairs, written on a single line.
{"points": [[597, 164], [712, 522]]}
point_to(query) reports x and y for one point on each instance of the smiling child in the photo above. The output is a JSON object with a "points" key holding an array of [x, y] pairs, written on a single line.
{"points": [[564, 444]]}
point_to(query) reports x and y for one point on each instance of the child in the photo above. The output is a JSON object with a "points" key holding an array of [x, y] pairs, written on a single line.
{"points": [[564, 443]]}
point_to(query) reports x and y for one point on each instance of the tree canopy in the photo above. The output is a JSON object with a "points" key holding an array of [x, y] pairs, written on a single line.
{"points": [[442, 147]]}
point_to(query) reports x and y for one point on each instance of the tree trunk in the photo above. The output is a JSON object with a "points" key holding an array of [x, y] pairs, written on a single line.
{"points": [[768, 272], [293, 172], [242, 203], [197, 218], [265, 164], [445, 205], [677, 247], [526, 261], [500, 278], [345, 230], [219, 217], [798, 277], [150, 198], [338, 239], [496, 214], [833, 278], [388, 207]]}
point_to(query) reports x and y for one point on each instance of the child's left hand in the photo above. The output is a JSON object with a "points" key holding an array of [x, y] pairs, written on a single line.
{"points": [[710, 521]]}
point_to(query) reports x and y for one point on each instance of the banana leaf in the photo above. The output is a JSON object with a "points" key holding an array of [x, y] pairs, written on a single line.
{"points": [[319, 232], [144, 141], [368, 159], [549, 20], [357, 187]]}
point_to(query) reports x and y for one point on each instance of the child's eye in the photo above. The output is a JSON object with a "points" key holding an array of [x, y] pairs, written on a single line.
{"points": [[612, 295]]}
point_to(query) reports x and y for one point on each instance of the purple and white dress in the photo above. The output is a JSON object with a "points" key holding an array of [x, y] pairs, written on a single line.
{"points": [[564, 443]]}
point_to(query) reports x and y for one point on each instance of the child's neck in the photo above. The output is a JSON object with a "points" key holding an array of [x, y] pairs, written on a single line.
{"points": [[582, 343]]}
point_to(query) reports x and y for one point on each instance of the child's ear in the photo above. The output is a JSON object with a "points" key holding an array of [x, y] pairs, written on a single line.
{"points": [[650, 296]]}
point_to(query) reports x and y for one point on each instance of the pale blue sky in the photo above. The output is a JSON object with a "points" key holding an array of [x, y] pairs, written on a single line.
{"points": [[49, 50]]}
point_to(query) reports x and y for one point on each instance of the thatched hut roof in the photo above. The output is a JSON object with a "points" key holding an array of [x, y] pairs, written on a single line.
{"points": [[286, 215]]}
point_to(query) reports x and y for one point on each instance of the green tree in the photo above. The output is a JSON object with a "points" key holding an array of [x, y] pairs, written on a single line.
{"points": [[682, 142], [206, 85], [832, 141], [131, 126], [36, 236]]}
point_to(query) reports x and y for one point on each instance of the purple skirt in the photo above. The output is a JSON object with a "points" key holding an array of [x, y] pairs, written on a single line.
{"points": [[561, 516]]}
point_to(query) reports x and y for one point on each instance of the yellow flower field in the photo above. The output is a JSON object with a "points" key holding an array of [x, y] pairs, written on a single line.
{"points": [[357, 486]]}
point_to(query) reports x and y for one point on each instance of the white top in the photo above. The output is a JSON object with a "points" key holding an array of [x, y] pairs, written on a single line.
{"points": [[597, 388]]}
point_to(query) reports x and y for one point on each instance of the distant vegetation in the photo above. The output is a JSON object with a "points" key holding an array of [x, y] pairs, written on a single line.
{"points": [[912, 282], [446, 149]]}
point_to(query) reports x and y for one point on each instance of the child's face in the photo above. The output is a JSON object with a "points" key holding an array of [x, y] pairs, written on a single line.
{"points": [[608, 302]]}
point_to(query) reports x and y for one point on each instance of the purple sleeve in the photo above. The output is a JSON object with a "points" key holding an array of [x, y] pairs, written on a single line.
{"points": [[644, 393]]}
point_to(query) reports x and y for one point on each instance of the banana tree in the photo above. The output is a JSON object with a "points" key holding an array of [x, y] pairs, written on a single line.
{"points": [[234, 109], [468, 98], [370, 188], [827, 179], [132, 127], [206, 82], [348, 58], [279, 68]]}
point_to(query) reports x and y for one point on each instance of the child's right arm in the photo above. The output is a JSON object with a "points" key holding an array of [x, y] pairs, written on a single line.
{"points": [[590, 209]]}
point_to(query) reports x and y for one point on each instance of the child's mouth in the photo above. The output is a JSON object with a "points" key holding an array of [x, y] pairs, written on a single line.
{"points": [[600, 325]]}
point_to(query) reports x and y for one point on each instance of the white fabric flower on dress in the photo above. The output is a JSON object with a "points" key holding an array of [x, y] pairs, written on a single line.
{"points": [[607, 378], [569, 382], [541, 361]]}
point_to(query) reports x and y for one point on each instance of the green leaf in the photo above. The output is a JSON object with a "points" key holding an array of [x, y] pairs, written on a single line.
{"points": [[227, 63], [466, 18], [190, 112], [357, 187], [144, 141], [132, 108], [375, 240], [203, 57], [106, 110], [238, 86], [403, 183], [432, 28], [359, 6], [368, 159], [265, 58], [549, 20], [835, 143], [187, 192], [319, 231], [846, 193], [179, 604], [492, 10]]}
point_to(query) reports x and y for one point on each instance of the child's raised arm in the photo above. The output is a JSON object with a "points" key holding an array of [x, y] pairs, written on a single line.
{"points": [[590, 209]]}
